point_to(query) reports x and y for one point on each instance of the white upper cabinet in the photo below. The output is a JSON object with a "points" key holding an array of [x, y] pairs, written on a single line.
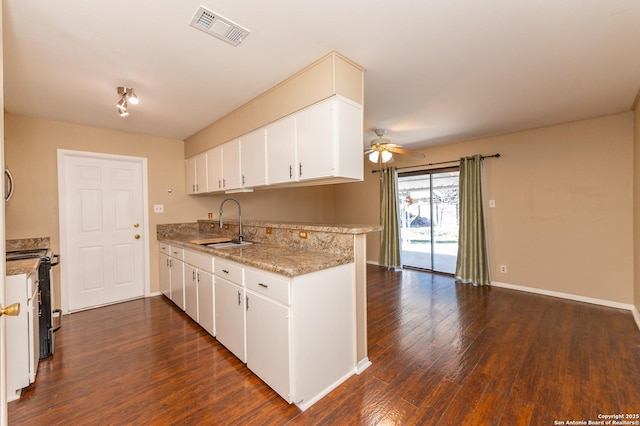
{"points": [[320, 144], [214, 169], [223, 166], [281, 151], [231, 174], [253, 158], [329, 140], [196, 169]]}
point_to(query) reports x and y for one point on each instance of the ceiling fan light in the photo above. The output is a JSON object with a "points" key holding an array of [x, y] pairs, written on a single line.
{"points": [[373, 157], [386, 156], [132, 98]]}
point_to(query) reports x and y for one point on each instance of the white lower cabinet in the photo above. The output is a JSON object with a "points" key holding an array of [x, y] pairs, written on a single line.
{"points": [[198, 288], [165, 274], [230, 305], [297, 334], [269, 342], [206, 304], [191, 291], [177, 282]]}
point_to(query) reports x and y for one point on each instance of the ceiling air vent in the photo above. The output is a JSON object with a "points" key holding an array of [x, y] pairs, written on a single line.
{"points": [[218, 26]]}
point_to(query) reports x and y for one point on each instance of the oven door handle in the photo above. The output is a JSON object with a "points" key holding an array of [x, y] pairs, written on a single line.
{"points": [[56, 328], [57, 260]]}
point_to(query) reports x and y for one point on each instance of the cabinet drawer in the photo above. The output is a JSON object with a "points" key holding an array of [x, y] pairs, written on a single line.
{"points": [[165, 248], [228, 270], [199, 260], [177, 252], [268, 284]]}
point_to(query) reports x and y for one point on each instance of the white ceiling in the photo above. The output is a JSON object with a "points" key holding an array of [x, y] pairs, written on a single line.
{"points": [[437, 70]]}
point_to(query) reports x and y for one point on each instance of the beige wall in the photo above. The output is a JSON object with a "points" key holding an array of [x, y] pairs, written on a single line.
{"points": [[564, 197], [564, 205], [636, 209], [31, 154]]}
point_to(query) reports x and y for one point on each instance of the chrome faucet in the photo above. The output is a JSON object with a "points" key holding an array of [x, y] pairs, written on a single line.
{"points": [[240, 237]]}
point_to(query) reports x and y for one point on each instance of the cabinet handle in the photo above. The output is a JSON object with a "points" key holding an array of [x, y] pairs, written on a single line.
{"points": [[247, 303], [263, 285], [299, 169], [198, 276], [193, 273], [224, 183], [170, 262], [193, 188], [197, 187], [243, 179], [290, 171], [239, 300], [219, 184], [225, 271]]}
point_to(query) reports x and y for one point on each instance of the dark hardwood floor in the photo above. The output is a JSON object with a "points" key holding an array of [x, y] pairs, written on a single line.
{"points": [[443, 353]]}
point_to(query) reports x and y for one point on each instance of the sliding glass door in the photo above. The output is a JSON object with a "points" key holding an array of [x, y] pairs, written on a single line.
{"points": [[429, 219]]}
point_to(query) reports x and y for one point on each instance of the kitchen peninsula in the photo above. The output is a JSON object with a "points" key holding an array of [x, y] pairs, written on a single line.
{"points": [[292, 305]]}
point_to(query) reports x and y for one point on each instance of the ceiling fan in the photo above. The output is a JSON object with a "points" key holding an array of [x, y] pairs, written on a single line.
{"points": [[382, 149]]}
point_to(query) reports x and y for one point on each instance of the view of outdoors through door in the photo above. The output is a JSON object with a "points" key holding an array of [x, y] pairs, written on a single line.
{"points": [[429, 219]]}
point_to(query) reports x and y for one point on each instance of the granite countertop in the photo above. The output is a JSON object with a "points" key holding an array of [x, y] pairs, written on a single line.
{"points": [[22, 266], [283, 260]]}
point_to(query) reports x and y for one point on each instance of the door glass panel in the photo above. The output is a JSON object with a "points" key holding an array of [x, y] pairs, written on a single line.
{"points": [[415, 220], [445, 223], [429, 219]]}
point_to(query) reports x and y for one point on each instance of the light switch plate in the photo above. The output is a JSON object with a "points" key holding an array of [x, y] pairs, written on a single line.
{"points": [[158, 208], [492, 203]]}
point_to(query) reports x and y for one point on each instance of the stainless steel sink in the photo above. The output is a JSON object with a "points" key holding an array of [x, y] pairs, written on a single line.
{"points": [[229, 244]]}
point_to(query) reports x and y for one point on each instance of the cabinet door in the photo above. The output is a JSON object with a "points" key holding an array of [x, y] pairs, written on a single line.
{"points": [[206, 302], [191, 291], [253, 159], [316, 142], [196, 170], [229, 315], [177, 282], [190, 168], [165, 275], [231, 177], [214, 169], [268, 343], [281, 151], [201, 173]]}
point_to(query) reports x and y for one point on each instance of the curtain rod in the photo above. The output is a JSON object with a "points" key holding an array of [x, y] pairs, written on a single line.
{"points": [[440, 162]]}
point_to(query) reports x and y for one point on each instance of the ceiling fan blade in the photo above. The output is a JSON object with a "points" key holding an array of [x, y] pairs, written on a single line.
{"points": [[406, 152]]}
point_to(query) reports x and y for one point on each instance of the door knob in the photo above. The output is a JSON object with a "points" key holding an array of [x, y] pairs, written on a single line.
{"points": [[137, 236], [135, 225], [11, 310]]}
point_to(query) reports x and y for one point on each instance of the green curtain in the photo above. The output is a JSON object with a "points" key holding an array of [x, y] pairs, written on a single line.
{"points": [[389, 218], [472, 265]]}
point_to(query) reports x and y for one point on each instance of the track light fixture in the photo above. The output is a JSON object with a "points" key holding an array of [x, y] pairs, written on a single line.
{"points": [[127, 96]]}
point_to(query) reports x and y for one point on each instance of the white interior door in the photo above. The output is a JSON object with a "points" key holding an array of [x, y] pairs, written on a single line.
{"points": [[102, 228]]}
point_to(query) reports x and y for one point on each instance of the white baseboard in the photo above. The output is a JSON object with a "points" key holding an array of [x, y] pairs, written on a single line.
{"points": [[575, 297], [363, 365], [636, 316], [155, 293], [303, 405]]}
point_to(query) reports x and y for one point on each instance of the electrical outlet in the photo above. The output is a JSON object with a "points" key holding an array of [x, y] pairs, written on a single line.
{"points": [[269, 230], [158, 208], [492, 203], [503, 269], [303, 235], [226, 226]]}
